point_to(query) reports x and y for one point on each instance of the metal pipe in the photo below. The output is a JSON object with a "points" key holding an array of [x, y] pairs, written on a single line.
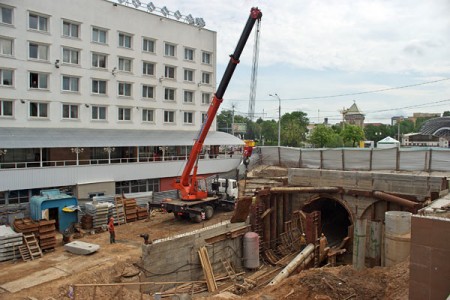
{"points": [[304, 189], [395, 199], [306, 253]]}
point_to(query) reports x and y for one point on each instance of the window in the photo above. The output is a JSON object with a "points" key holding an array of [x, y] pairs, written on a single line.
{"points": [[70, 111], [38, 22], [148, 68], [99, 60], [169, 72], [169, 116], [124, 64], [6, 77], [38, 51], [188, 97], [99, 86], [169, 94], [206, 58], [206, 98], [147, 115], [6, 16], [206, 78], [6, 108], [70, 83], [99, 35], [38, 80], [148, 91], [98, 112], [188, 117], [38, 110], [124, 89], [204, 117], [6, 46], [71, 56], [188, 54], [124, 114], [125, 40], [169, 50], [18, 196], [134, 186], [188, 75], [148, 45], [70, 29]]}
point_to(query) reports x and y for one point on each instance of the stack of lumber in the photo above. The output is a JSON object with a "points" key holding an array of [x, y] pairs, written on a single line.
{"points": [[142, 213], [10, 242], [26, 225], [47, 234], [99, 212], [87, 222], [130, 210]]}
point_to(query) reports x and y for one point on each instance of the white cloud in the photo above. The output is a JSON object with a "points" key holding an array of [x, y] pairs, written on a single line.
{"points": [[331, 47]]}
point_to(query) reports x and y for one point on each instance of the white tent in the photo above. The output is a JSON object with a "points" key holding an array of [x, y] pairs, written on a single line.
{"points": [[388, 142]]}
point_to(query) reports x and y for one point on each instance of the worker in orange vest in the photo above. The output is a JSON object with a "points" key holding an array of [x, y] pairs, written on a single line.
{"points": [[112, 234]]}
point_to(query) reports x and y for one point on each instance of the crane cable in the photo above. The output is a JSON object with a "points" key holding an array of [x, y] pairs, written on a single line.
{"points": [[251, 103]]}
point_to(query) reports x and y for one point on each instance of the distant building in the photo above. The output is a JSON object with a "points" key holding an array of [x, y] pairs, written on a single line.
{"points": [[423, 115], [396, 119], [353, 116], [423, 140]]}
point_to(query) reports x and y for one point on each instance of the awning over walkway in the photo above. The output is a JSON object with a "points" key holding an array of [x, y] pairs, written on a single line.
{"points": [[78, 137]]}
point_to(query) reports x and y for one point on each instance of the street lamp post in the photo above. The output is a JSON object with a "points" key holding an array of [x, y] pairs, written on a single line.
{"points": [[279, 116]]}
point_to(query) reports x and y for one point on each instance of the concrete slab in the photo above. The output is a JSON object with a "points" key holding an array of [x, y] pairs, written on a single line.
{"points": [[81, 248], [33, 280]]}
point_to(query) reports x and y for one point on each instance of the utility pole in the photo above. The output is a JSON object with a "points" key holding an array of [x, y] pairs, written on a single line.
{"points": [[279, 116], [232, 120]]}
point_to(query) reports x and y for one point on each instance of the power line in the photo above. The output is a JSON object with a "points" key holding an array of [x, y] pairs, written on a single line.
{"points": [[354, 94]]}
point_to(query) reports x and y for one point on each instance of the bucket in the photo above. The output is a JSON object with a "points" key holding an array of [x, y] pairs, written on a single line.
{"points": [[397, 237]]}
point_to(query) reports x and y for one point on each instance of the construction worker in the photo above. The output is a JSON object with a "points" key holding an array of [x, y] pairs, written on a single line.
{"points": [[303, 240], [112, 234]]}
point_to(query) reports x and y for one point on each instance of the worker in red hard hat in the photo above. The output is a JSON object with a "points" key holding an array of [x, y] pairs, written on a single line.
{"points": [[112, 234]]}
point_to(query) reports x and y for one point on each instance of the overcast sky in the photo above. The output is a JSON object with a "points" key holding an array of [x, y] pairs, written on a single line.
{"points": [[317, 48]]}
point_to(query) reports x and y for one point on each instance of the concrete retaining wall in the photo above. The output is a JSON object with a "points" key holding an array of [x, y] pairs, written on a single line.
{"points": [[420, 186], [176, 259]]}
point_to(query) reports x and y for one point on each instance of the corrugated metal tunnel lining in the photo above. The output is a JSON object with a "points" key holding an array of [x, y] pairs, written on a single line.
{"points": [[335, 219]]}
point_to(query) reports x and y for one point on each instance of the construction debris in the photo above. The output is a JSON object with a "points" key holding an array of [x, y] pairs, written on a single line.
{"points": [[10, 242]]}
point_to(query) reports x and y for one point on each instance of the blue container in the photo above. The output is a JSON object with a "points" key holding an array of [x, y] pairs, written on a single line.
{"points": [[49, 205]]}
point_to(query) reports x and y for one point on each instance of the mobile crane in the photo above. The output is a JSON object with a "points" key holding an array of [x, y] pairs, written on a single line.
{"points": [[195, 200]]}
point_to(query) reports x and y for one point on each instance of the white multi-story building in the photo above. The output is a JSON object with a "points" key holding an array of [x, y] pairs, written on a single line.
{"points": [[98, 96]]}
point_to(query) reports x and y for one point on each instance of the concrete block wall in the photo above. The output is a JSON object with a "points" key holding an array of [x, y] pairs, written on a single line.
{"points": [[176, 259], [420, 186], [429, 258]]}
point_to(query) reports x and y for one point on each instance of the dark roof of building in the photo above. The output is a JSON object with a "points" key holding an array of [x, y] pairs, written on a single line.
{"points": [[437, 126]]}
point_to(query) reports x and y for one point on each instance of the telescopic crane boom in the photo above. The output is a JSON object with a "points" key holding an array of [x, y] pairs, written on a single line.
{"points": [[187, 184]]}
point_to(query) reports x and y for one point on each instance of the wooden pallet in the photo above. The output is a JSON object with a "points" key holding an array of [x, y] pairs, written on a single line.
{"points": [[120, 211], [207, 269], [24, 253], [32, 245]]}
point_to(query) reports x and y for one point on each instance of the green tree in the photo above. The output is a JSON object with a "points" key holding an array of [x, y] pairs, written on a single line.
{"points": [[322, 136], [352, 134], [269, 132], [294, 128], [446, 113]]}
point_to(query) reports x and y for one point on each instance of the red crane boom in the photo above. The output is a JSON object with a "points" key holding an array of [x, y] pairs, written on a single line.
{"points": [[186, 184]]}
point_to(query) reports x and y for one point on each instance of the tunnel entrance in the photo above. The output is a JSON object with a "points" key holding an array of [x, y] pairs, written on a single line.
{"points": [[335, 219]]}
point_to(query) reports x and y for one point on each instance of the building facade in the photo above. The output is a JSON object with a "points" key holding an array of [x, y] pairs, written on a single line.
{"points": [[102, 97]]}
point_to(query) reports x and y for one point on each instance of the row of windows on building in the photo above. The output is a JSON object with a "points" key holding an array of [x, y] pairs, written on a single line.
{"points": [[148, 69], [122, 187], [71, 84], [41, 110], [71, 29]]}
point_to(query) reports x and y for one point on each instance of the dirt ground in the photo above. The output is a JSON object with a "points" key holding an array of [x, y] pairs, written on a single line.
{"points": [[105, 266], [114, 263]]}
